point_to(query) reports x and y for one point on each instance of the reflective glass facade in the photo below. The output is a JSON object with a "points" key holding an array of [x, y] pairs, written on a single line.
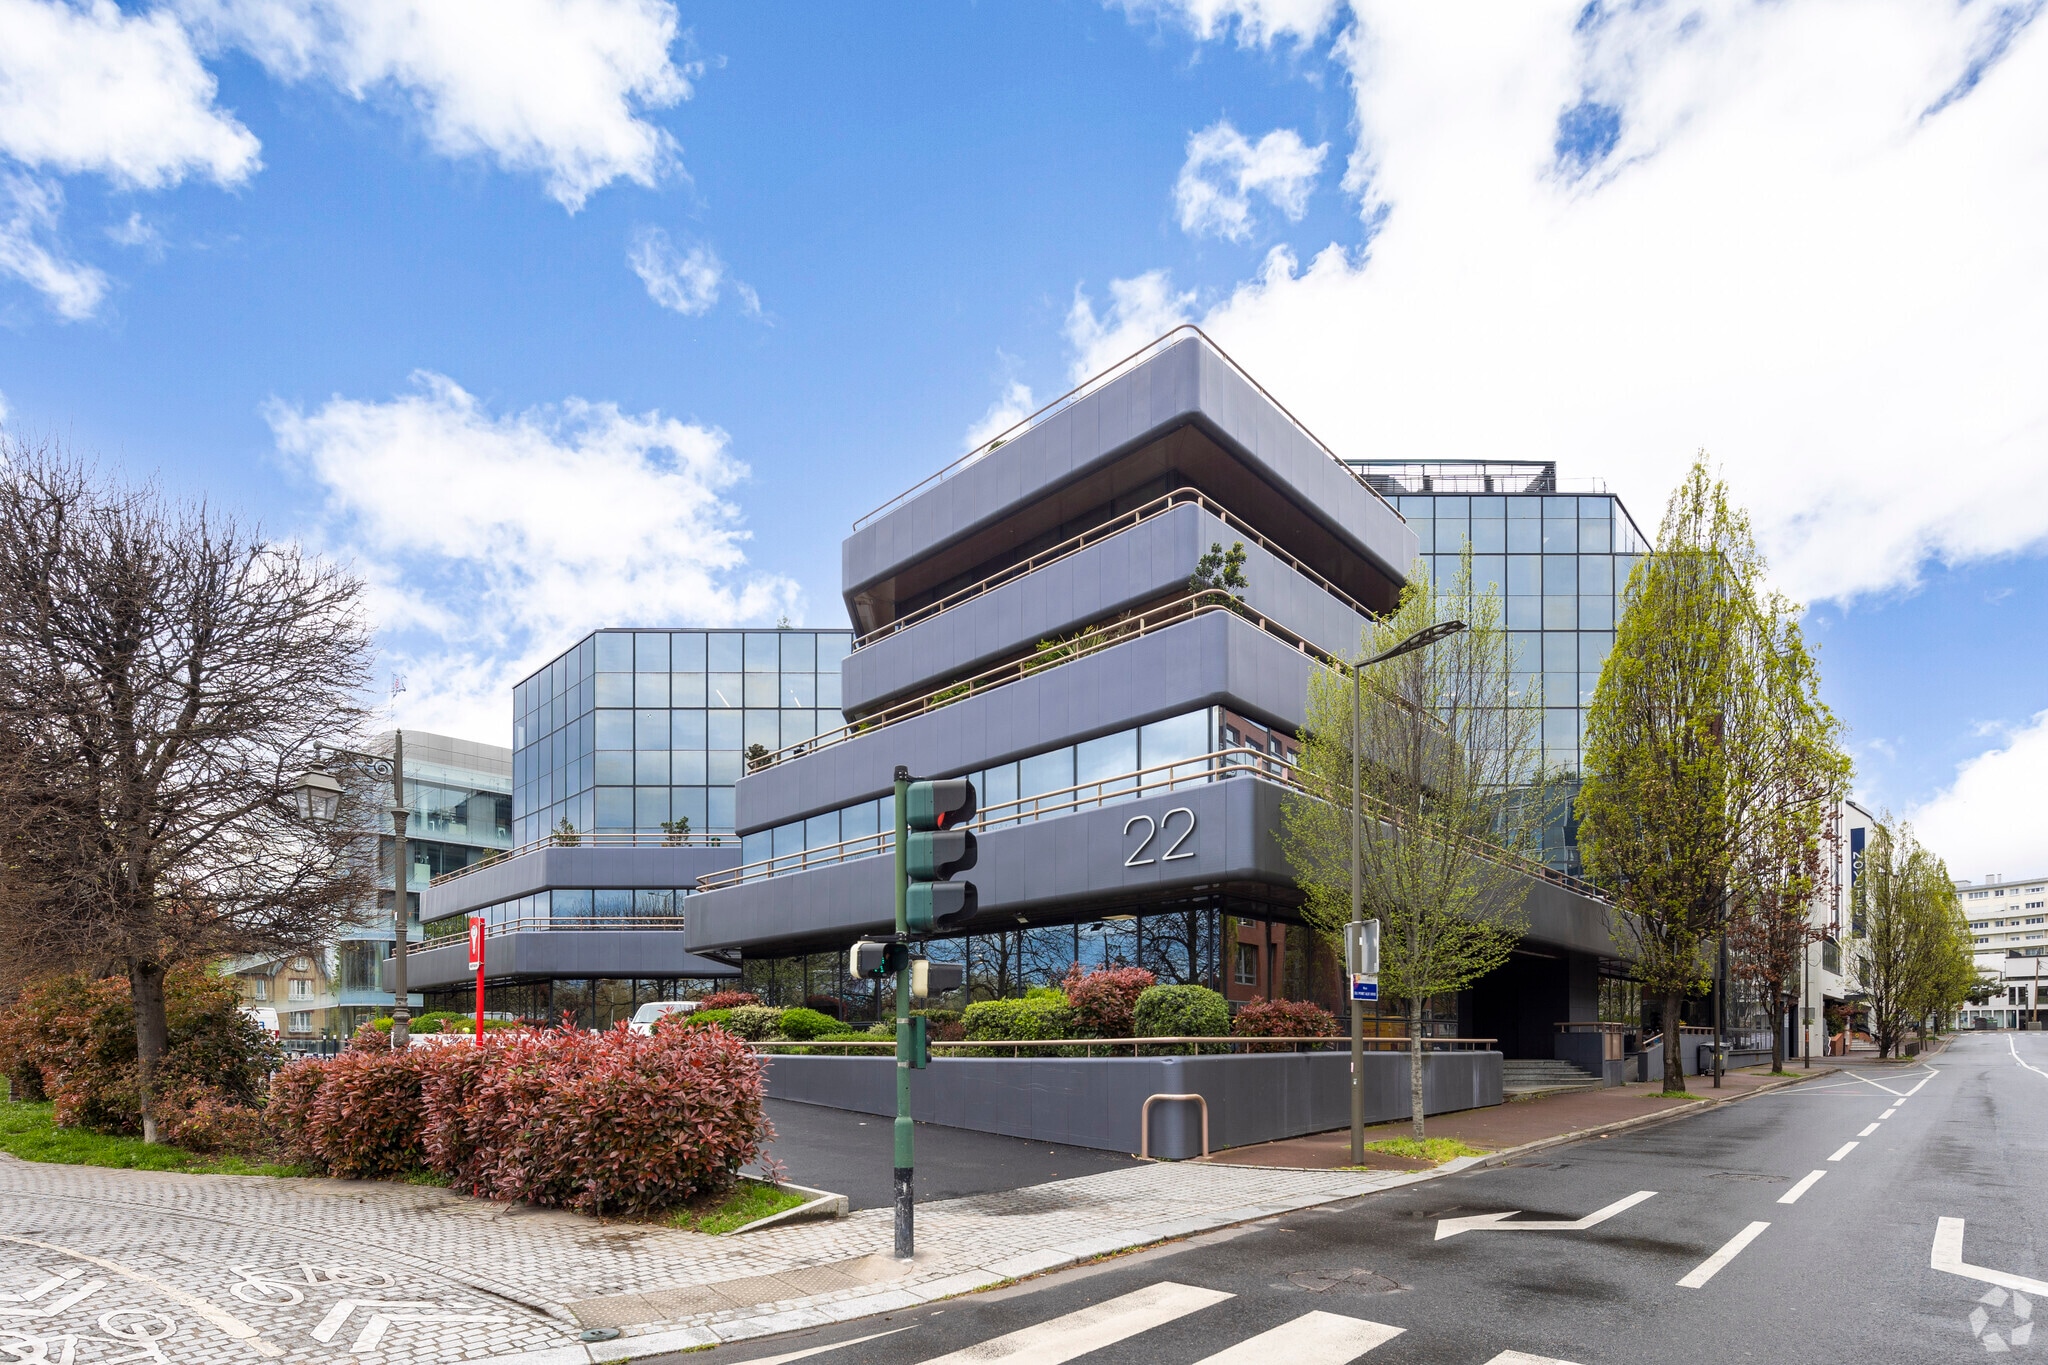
{"points": [[632, 730]]}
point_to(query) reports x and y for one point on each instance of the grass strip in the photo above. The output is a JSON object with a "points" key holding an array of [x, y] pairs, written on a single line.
{"points": [[746, 1202], [28, 1131], [1436, 1150]]}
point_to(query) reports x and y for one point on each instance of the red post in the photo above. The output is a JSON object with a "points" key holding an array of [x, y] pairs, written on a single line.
{"points": [[476, 961]]}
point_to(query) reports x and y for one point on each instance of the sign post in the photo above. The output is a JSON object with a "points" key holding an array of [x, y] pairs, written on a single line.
{"points": [[476, 963]]}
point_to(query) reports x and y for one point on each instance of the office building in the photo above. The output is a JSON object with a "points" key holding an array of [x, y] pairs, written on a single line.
{"points": [[2009, 933]]}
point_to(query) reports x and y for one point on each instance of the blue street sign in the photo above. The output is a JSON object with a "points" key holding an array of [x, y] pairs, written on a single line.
{"points": [[1364, 989]]}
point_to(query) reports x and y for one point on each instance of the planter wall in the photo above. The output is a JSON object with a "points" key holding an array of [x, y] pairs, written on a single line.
{"points": [[1096, 1102]]}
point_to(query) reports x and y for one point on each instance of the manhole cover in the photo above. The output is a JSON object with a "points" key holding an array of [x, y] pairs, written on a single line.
{"points": [[1354, 1281]]}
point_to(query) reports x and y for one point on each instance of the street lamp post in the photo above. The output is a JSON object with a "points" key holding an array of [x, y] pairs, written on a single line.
{"points": [[320, 799], [1421, 639]]}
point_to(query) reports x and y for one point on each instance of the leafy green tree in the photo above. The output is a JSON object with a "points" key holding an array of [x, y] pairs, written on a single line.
{"points": [[1452, 791], [1915, 965], [1706, 710], [1220, 572]]}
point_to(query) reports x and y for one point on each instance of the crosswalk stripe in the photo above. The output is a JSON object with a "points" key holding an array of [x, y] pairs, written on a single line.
{"points": [[1315, 1338], [1089, 1329], [1524, 1358]]}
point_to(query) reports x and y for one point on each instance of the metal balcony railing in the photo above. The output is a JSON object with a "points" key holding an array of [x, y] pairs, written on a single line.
{"points": [[603, 840], [535, 924], [1116, 525], [1090, 385]]}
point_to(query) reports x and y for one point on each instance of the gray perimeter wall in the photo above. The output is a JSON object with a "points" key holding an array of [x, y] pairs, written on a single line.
{"points": [[1096, 1102]]}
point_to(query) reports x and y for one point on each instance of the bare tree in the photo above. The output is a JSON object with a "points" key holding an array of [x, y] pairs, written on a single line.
{"points": [[164, 674]]}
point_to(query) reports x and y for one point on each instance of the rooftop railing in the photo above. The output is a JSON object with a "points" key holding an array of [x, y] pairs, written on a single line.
{"points": [[605, 840], [1090, 385], [1116, 525], [534, 924]]}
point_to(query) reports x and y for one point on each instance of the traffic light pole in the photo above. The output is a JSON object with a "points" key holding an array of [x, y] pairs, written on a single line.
{"points": [[906, 1237]]}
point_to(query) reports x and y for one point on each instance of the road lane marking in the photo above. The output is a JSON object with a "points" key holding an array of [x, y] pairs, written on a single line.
{"points": [[1315, 1338], [810, 1351], [2023, 1061], [1806, 1182], [1948, 1257], [1843, 1151], [1711, 1267], [1867, 1131], [1492, 1222], [233, 1326], [1889, 1112], [1932, 1072], [1524, 1358], [1092, 1328]]}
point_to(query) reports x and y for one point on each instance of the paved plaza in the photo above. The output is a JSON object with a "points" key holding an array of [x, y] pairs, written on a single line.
{"points": [[107, 1267]]}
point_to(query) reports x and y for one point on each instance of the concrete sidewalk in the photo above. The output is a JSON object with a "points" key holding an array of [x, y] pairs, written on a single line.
{"points": [[1517, 1126]]}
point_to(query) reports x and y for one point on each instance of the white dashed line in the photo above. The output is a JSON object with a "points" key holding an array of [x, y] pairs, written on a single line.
{"points": [[1889, 1112], [1713, 1264], [1844, 1150], [1806, 1183], [1867, 1131]]}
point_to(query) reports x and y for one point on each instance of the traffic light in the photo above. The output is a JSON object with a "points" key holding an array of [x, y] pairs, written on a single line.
{"points": [[928, 978], [939, 845], [867, 960]]}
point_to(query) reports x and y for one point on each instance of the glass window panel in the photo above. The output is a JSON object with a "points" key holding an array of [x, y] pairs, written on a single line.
{"points": [[1596, 576], [1596, 508], [686, 767], [1560, 729], [799, 651], [686, 729], [1489, 507], [1045, 772], [1560, 536], [828, 690], [1107, 756], [722, 651], [1525, 509], [650, 730], [614, 808], [1490, 571], [1457, 507], [1489, 534], [826, 726], [1560, 653], [723, 689], [569, 905], [799, 727], [859, 822], [1173, 739], [1524, 537], [756, 846], [614, 729], [789, 839], [614, 652], [686, 651], [650, 689], [1525, 650], [764, 728], [686, 689], [1593, 647], [650, 768], [651, 806], [1424, 528], [653, 904], [832, 647], [1589, 683], [722, 730], [1525, 613], [822, 831], [613, 769], [1451, 534], [885, 813], [688, 803], [762, 690], [799, 689], [1525, 575], [611, 901], [650, 653], [722, 769], [1596, 613], [1560, 574], [764, 652], [998, 786], [1560, 613], [1560, 689], [1594, 537]]}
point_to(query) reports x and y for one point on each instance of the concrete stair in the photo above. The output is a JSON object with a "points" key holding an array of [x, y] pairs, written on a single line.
{"points": [[1526, 1078]]}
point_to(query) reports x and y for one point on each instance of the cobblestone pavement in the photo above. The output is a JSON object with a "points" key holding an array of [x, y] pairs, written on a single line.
{"points": [[105, 1267]]}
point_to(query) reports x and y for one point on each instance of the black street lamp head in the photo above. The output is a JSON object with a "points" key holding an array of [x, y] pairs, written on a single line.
{"points": [[1421, 639]]}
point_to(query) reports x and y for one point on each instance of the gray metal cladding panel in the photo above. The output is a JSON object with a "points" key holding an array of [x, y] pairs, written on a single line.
{"points": [[1215, 658], [1141, 564], [1098, 1102], [565, 953], [1185, 381], [651, 866], [1100, 856]]}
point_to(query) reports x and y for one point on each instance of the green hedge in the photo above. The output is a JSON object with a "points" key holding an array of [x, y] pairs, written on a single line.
{"points": [[805, 1024], [1044, 1016], [753, 1022], [1181, 1012]]}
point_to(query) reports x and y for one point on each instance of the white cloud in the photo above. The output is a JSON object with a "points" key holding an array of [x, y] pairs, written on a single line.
{"points": [[1012, 406], [86, 88], [558, 88], [1225, 169], [684, 281], [3, 410], [1139, 310], [29, 209], [1989, 819], [550, 522], [136, 232], [1774, 231], [1257, 23]]}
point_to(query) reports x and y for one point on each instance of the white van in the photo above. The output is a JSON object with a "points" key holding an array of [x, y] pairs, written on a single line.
{"points": [[263, 1016], [645, 1018]]}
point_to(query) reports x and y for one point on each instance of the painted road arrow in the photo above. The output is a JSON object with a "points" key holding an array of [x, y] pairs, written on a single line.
{"points": [[1948, 1256], [1495, 1222]]}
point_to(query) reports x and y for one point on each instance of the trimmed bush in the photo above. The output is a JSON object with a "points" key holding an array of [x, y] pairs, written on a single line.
{"points": [[753, 1022], [826, 1004], [289, 1115], [1180, 1012], [804, 1025], [700, 1018], [1045, 1016], [1105, 1001], [727, 1000], [1283, 1019]]}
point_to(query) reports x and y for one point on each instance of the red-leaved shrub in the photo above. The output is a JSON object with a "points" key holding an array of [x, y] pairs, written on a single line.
{"points": [[1283, 1019], [365, 1122], [1104, 1000], [728, 1000], [289, 1114], [449, 1080]]}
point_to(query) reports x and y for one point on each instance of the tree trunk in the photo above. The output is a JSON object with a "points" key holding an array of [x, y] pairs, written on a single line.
{"points": [[152, 1036], [1778, 1034], [1415, 1061], [1674, 1045]]}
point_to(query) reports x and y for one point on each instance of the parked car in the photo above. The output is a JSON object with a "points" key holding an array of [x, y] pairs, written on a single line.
{"points": [[651, 1013], [264, 1017]]}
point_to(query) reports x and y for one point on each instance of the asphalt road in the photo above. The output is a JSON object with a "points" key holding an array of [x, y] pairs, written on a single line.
{"points": [[1841, 1274]]}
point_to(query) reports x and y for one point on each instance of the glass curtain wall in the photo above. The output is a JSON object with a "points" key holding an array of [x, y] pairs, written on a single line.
{"points": [[635, 730]]}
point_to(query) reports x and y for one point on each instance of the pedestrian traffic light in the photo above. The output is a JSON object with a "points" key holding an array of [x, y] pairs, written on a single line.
{"points": [[938, 845], [867, 960], [928, 978]]}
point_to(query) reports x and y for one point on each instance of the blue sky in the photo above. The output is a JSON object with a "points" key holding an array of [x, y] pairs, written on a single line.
{"points": [[559, 313]]}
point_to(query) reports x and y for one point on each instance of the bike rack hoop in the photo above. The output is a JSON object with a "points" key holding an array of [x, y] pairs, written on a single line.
{"points": [[1145, 1122]]}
